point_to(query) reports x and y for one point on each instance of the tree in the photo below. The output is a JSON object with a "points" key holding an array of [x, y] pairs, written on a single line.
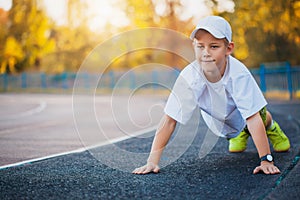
{"points": [[144, 14], [12, 54], [26, 40], [73, 40], [171, 19], [266, 31], [141, 13]]}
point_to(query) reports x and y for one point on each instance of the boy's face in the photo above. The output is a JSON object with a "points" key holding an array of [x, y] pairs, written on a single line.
{"points": [[212, 53]]}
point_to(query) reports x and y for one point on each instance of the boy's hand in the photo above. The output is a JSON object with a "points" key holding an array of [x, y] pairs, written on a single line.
{"points": [[148, 168], [267, 168]]}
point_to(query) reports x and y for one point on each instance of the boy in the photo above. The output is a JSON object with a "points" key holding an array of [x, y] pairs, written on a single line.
{"points": [[231, 103]]}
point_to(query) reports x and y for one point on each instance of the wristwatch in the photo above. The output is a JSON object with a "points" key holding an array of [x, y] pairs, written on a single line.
{"points": [[267, 157]]}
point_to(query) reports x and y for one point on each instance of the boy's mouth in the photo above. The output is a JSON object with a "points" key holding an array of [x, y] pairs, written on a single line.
{"points": [[208, 61]]}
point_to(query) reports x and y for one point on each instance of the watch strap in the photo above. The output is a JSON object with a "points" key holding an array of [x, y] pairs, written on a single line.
{"points": [[267, 157]]}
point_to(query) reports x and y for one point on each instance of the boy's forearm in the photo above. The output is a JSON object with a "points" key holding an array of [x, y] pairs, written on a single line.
{"points": [[161, 139], [257, 130]]}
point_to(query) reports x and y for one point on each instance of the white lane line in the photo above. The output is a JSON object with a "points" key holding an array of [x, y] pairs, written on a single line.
{"points": [[40, 159], [80, 150], [42, 105]]}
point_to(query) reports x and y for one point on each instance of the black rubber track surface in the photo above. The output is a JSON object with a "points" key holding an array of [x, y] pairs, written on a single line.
{"points": [[219, 175]]}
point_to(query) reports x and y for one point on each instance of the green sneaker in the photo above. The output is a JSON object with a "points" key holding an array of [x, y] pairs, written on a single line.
{"points": [[239, 143], [278, 139]]}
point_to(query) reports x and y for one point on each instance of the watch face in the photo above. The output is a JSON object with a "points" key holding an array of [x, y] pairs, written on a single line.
{"points": [[269, 158]]}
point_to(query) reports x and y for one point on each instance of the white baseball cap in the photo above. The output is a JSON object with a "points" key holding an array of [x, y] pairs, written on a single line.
{"points": [[215, 25]]}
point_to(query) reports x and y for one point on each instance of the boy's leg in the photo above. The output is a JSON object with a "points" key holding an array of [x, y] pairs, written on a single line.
{"points": [[277, 137]]}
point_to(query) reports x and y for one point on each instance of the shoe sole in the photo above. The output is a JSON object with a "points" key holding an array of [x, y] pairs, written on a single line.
{"points": [[231, 151], [281, 151]]}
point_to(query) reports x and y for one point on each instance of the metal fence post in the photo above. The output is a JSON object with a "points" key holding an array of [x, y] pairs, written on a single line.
{"points": [[112, 79], [262, 73], [86, 80], [65, 80], [289, 79], [154, 79], [132, 80], [5, 82], [23, 80], [43, 80]]}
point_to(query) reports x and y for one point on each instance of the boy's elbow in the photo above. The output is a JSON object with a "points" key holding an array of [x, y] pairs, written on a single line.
{"points": [[170, 122]]}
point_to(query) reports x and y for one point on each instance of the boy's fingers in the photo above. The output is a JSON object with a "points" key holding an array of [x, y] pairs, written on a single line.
{"points": [[266, 170], [274, 170], [260, 169], [138, 170], [156, 169], [141, 170], [256, 170], [146, 169], [149, 169]]}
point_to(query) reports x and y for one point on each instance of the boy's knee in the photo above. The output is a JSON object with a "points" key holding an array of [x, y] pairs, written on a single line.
{"points": [[269, 119]]}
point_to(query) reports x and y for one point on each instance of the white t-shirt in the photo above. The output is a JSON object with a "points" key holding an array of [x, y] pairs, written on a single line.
{"points": [[225, 105]]}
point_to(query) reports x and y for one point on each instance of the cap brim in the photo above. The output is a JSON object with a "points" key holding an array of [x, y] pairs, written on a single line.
{"points": [[211, 30], [192, 36]]}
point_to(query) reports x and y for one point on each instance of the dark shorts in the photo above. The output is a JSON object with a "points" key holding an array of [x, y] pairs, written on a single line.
{"points": [[263, 115]]}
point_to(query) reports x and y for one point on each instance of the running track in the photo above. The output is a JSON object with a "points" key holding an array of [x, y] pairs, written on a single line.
{"points": [[219, 175]]}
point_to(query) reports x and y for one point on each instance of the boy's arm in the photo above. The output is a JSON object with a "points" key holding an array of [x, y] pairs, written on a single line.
{"points": [[258, 132], [162, 136]]}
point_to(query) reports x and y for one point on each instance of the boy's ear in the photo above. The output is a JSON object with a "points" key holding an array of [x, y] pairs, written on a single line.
{"points": [[230, 48]]}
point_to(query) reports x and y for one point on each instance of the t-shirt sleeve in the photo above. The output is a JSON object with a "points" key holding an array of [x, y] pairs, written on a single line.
{"points": [[247, 95], [181, 102]]}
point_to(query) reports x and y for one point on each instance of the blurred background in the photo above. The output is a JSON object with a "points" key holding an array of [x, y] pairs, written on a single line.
{"points": [[42, 38]]}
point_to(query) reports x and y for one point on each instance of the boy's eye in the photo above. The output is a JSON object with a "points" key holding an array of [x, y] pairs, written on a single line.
{"points": [[213, 46]]}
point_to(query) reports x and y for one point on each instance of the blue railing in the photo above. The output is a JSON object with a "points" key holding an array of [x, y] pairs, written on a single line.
{"points": [[278, 76], [270, 77], [155, 79]]}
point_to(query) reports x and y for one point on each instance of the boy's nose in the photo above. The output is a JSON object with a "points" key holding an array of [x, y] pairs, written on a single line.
{"points": [[205, 53]]}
